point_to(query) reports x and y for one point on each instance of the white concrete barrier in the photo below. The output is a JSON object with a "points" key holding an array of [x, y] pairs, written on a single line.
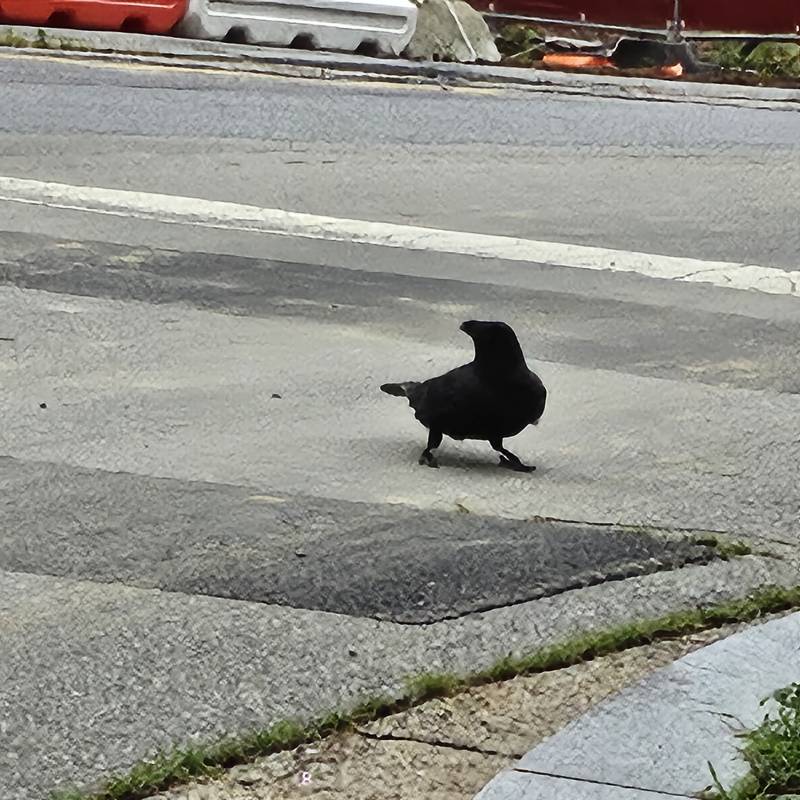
{"points": [[382, 26]]}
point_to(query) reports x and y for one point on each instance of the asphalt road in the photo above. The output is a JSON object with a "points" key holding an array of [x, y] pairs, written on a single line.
{"points": [[213, 519], [697, 180]]}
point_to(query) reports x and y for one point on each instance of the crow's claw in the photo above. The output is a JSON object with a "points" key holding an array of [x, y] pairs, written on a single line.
{"points": [[517, 466], [428, 459]]}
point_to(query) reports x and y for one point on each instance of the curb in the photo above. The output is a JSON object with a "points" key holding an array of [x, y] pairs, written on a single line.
{"points": [[127, 48]]}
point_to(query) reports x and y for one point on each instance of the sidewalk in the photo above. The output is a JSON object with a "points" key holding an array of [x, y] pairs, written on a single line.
{"points": [[657, 738], [137, 49], [637, 724]]}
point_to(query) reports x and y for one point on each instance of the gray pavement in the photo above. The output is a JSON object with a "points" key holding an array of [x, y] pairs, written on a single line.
{"points": [[185, 553], [169, 490], [657, 738], [130, 384]]}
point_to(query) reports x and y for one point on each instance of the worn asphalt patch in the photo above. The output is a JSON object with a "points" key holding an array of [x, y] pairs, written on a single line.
{"points": [[383, 561], [737, 350]]}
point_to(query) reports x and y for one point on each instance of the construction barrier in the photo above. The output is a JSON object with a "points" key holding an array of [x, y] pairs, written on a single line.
{"points": [[764, 17], [380, 27], [759, 17], [385, 27], [136, 16]]}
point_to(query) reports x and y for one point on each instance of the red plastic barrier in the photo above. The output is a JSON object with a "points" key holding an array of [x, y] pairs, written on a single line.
{"points": [[764, 16], [139, 16], [724, 16], [636, 13]]}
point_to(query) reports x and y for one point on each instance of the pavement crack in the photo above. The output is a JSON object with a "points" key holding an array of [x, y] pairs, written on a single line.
{"points": [[463, 748], [595, 782], [649, 528], [583, 580], [710, 274]]}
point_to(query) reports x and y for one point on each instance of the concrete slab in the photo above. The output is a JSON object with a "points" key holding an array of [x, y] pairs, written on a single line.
{"points": [[451, 30], [660, 735], [517, 785]]}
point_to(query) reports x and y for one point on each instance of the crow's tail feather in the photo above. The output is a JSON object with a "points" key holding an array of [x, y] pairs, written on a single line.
{"points": [[398, 389]]}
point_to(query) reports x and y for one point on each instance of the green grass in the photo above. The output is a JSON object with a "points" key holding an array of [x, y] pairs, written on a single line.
{"points": [[768, 59], [520, 45], [725, 547], [11, 39], [42, 41], [773, 753], [523, 45], [180, 766]]}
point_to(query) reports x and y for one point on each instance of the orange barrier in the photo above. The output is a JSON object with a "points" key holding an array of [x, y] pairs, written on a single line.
{"points": [[590, 61], [576, 60], [136, 16], [671, 71]]}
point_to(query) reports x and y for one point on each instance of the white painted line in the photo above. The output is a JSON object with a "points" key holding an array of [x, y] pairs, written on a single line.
{"points": [[233, 216]]}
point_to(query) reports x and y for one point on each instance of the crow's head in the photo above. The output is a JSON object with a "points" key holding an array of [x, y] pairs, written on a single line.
{"points": [[495, 343]]}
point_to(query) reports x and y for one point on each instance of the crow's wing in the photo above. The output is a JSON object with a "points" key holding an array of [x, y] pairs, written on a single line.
{"points": [[464, 405], [457, 403], [537, 394]]}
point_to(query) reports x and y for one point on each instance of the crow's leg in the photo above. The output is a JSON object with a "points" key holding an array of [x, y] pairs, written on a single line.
{"points": [[434, 440], [508, 459]]}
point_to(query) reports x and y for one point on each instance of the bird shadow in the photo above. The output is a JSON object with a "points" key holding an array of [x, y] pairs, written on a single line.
{"points": [[399, 452], [477, 464]]}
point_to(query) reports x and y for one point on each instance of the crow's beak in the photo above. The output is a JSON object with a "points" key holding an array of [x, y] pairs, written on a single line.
{"points": [[468, 327]]}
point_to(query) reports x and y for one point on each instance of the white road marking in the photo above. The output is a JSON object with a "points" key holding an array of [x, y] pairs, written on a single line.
{"points": [[275, 221]]}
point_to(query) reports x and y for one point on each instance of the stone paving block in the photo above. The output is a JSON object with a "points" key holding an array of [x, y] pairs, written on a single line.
{"points": [[515, 785], [661, 734]]}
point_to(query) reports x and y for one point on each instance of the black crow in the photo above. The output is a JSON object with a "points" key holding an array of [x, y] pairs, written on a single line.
{"points": [[493, 397]]}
